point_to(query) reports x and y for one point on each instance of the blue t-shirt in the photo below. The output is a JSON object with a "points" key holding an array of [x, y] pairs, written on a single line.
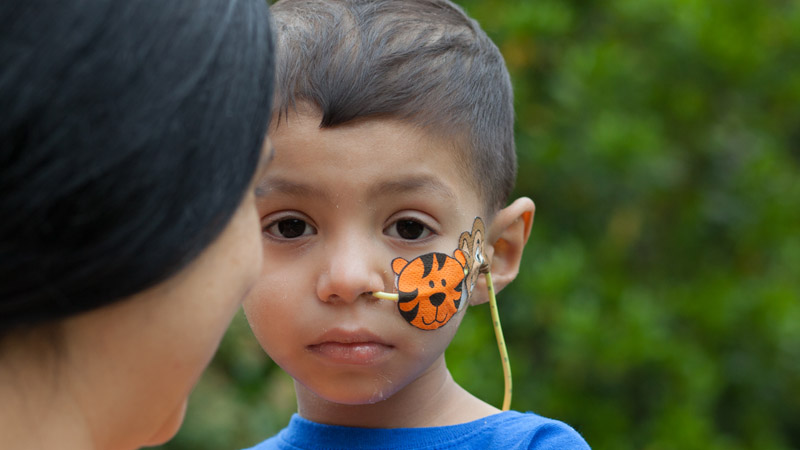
{"points": [[506, 430]]}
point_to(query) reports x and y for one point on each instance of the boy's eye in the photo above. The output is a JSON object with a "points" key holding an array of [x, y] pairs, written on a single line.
{"points": [[408, 229], [290, 228]]}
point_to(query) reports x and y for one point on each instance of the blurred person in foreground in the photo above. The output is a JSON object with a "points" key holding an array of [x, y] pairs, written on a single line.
{"points": [[130, 136]]}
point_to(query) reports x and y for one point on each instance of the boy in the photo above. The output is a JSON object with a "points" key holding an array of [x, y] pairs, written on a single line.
{"points": [[393, 133]]}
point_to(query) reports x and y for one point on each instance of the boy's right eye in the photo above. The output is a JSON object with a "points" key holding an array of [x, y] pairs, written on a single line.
{"points": [[289, 228]]}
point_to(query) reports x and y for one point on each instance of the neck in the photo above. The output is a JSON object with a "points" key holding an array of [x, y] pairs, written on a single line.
{"points": [[38, 410], [433, 399]]}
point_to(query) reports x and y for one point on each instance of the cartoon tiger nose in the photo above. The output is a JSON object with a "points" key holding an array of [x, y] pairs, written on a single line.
{"points": [[437, 298]]}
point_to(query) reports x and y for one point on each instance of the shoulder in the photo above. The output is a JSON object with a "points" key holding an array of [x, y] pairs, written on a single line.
{"points": [[512, 429], [304, 434], [506, 430]]}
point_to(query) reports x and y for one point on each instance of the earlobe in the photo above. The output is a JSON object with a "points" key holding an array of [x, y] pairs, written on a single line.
{"points": [[506, 238]]}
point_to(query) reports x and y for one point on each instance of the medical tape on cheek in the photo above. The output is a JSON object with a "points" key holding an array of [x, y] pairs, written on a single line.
{"points": [[434, 287], [430, 288]]}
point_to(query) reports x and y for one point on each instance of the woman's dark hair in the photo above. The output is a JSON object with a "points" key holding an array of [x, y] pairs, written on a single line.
{"points": [[129, 132]]}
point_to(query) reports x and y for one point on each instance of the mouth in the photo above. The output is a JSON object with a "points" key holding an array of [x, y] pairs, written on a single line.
{"points": [[351, 347], [436, 319]]}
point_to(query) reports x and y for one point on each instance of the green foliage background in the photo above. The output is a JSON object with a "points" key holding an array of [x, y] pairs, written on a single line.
{"points": [[658, 304]]}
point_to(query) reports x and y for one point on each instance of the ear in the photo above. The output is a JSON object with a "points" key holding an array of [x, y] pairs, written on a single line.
{"points": [[505, 241], [459, 256], [398, 264]]}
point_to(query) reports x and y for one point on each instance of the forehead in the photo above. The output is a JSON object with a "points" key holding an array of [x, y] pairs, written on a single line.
{"points": [[382, 155]]}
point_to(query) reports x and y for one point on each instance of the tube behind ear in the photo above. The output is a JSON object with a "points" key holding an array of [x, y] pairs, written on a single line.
{"points": [[501, 343]]}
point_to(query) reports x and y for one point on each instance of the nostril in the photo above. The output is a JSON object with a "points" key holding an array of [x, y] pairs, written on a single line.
{"points": [[437, 299]]}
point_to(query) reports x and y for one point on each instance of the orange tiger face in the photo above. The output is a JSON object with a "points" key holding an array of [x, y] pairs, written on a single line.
{"points": [[429, 288]]}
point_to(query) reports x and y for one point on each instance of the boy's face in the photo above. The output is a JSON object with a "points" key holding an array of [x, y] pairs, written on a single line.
{"points": [[337, 206]]}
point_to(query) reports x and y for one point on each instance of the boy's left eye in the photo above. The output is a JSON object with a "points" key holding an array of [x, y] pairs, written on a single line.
{"points": [[408, 229]]}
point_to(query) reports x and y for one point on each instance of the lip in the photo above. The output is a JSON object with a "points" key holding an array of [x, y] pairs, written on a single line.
{"points": [[357, 347]]}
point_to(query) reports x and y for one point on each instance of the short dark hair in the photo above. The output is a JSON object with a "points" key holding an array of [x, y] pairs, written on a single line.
{"points": [[129, 132], [422, 61]]}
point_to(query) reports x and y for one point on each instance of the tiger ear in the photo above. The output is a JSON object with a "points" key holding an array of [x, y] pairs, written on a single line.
{"points": [[398, 264], [464, 241], [459, 256]]}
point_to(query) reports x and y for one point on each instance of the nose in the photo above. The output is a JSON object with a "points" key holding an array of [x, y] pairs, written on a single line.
{"points": [[437, 298], [351, 270]]}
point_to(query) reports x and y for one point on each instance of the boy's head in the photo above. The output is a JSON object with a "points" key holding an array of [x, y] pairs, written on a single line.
{"points": [[420, 61], [393, 134]]}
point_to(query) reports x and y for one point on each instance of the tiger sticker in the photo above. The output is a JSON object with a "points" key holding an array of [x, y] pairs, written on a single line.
{"points": [[471, 243], [430, 288]]}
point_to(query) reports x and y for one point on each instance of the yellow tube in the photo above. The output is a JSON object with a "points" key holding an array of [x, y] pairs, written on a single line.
{"points": [[385, 295], [501, 343]]}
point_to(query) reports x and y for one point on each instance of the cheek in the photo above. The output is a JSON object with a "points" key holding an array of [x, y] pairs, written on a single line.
{"points": [[244, 270], [170, 427], [426, 346], [270, 310], [251, 257], [215, 307]]}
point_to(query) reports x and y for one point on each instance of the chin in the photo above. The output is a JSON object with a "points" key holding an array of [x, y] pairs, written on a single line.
{"points": [[169, 428]]}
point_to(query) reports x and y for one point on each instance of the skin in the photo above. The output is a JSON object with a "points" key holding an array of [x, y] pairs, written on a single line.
{"points": [[338, 205], [119, 377]]}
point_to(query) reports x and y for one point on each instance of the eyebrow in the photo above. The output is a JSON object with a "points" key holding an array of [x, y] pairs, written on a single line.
{"points": [[265, 159], [263, 162], [388, 188], [261, 169], [287, 187], [413, 184]]}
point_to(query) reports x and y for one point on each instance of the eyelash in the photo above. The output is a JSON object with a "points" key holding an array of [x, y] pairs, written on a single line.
{"points": [[426, 231], [274, 231], [292, 223]]}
